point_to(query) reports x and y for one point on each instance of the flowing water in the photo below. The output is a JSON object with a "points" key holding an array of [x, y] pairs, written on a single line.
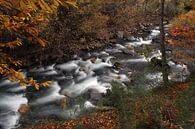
{"points": [[80, 83]]}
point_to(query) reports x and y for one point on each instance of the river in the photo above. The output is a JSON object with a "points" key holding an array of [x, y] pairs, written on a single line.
{"points": [[82, 81]]}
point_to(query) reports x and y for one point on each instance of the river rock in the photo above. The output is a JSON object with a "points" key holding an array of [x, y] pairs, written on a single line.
{"points": [[129, 47], [156, 40], [156, 61], [120, 34], [118, 65], [64, 103], [82, 40], [159, 63], [24, 108], [93, 95], [92, 59], [128, 52]]}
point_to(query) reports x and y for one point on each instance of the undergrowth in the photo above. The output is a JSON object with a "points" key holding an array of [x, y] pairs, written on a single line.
{"points": [[161, 108]]}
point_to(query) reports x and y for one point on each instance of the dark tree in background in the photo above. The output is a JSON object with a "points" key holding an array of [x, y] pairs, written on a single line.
{"points": [[162, 45]]}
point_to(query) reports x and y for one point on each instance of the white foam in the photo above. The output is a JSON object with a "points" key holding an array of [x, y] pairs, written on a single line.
{"points": [[155, 76], [181, 68], [116, 77], [12, 103], [108, 59], [103, 53], [119, 46], [50, 67], [88, 105], [123, 78], [17, 88], [49, 73], [154, 33], [156, 54], [67, 66], [7, 82], [143, 59], [140, 42], [89, 83], [83, 64], [97, 61], [10, 120], [113, 50], [81, 75], [49, 97], [179, 72], [51, 110], [99, 66]]}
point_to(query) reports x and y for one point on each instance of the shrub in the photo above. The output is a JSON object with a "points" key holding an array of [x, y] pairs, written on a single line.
{"points": [[157, 109]]}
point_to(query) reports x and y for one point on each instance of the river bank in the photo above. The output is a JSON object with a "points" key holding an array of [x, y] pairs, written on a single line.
{"points": [[167, 100], [61, 49], [79, 84], [102, 61]]}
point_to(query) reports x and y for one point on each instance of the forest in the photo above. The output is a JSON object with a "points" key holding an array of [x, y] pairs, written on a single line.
{"points": [[97, 64]]}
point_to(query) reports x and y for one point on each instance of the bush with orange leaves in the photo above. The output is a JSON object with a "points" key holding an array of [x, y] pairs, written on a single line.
{"points": [[182, 38], [23, 20]]}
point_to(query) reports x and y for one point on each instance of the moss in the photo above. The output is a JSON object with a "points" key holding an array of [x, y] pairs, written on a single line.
{"points": [[159, 108]]}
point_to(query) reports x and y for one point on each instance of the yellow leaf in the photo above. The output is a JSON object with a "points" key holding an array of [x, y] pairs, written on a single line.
{"points": [[42, 42], [36, 86]]}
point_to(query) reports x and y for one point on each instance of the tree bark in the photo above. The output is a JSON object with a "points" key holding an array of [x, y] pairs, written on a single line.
{"points": [[163, 49], [145, 5]]}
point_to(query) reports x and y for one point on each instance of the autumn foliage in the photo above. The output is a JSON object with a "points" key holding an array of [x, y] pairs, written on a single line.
{"points": [[100, 120], [183, 36], [22, 20]]}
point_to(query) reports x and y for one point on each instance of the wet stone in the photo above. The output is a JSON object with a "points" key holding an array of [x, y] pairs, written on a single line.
{"points": [[24, 108]]}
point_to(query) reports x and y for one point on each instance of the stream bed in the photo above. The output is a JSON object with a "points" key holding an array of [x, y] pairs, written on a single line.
{"points": [[80, 83]]}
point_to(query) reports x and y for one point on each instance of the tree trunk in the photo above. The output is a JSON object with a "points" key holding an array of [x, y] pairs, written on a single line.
{"points": [[163, 49], [145, 5]]}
